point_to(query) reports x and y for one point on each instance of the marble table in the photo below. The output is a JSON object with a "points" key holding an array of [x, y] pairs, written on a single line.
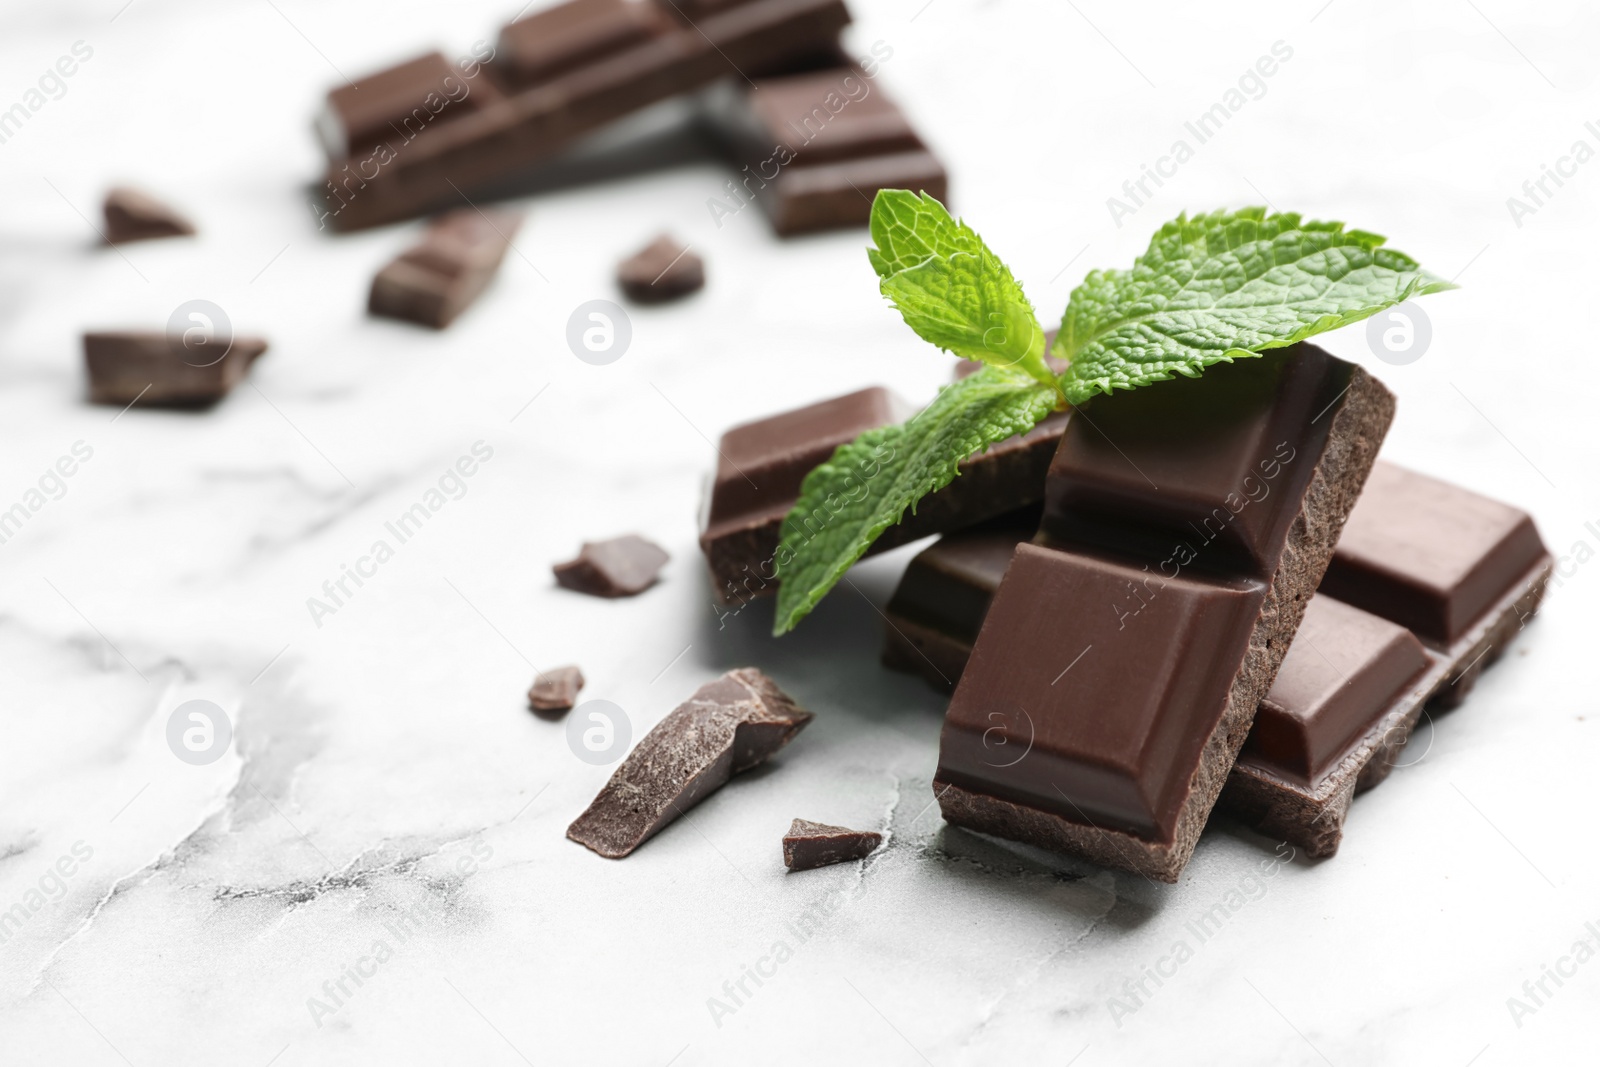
{"points": [[374, 867]]}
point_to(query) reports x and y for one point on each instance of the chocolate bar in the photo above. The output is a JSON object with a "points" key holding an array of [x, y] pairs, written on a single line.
{"points": [[661, 271], [728, 726], [555, 689], [621, 566], [600, 60], [809, 845], [816, 147], [1429, 585], [434, 282], [1352, 685], [1124, 654], [129, 365], [762, 464], [135, 216], [383, 112]]}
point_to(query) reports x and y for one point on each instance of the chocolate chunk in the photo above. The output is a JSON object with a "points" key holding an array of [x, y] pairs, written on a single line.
{"points": [[730, 725], [1429, 555], [394, 107], [438, 279], [150, 367], [607, 61], [556, 689], [817, 146], [622, 566], [135, 216], [809, 845], [663, 270], [762, 464], [1119, 668]]}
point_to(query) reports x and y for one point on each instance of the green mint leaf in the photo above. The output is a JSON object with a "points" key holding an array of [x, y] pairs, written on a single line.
{"points": [[950, 288], [869, 483], [1223, 286]]}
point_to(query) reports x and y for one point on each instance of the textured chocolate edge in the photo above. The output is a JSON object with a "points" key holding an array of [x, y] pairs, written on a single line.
{"points": [[1311, 816], [1358, 429]]}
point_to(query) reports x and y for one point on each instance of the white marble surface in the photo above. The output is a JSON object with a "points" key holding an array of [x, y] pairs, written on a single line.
{"points": [[380, 756]]}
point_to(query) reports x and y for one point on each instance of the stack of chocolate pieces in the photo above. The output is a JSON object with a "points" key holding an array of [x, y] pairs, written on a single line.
{"points": [[816, 137], [1113, 639]]}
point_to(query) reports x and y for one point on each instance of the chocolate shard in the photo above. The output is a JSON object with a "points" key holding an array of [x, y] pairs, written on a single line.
{"points": [[809, 845], [661, 271], [1123, 657], [435, 281], [729, 725], [150, 367], [132, 215], [821, 144], [622, 566], [555, 689]]}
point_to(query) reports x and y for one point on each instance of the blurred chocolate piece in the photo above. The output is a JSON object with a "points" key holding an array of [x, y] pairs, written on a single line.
{"points": [[1124, 654], [555, 689], [1448, 578], [816, 147], [600, 61], [809, 845], [437, 280], [622, 566], [380, 115], [730, 725], [155, 369], [132, 215], [663, 270]]}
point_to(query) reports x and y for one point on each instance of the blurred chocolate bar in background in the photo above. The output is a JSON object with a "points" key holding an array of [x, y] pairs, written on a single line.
{"points": [[438, 279], [157, 370]]}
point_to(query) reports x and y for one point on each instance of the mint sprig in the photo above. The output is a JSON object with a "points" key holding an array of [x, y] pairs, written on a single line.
{"points": [[1214, 288]]}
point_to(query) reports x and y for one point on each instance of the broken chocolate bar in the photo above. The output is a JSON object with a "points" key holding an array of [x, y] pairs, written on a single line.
{"points": [[135, 216], [1117, 673], [382, 113], [622, 566], [437, 280], [555, 689], [817, 147], [601, 60], [1446, 579], [762, 464], [809, 845], [730, 725], [129, 365], [663, 270]]}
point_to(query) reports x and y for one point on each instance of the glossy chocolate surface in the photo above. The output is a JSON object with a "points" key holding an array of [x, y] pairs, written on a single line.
{"points": [[1343, 671], [948, 586], [1429, 556]]}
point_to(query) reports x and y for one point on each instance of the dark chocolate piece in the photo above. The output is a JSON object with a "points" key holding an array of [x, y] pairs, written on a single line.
{"points": [[816, 148], [1419, 551], [762, 464], [604, 74], [1119, 668], [393, 107], [622, 566], [809, 845], [939, 606], [555, 689], [434, 282], [129, 365], [663, 270], [132, 215], [730, 725]]}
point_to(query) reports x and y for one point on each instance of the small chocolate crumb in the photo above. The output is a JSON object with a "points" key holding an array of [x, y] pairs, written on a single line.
{"points": [[556, 689], [661, 271], [135, 216], [814, 844], [730, 725], [622, 566]]}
